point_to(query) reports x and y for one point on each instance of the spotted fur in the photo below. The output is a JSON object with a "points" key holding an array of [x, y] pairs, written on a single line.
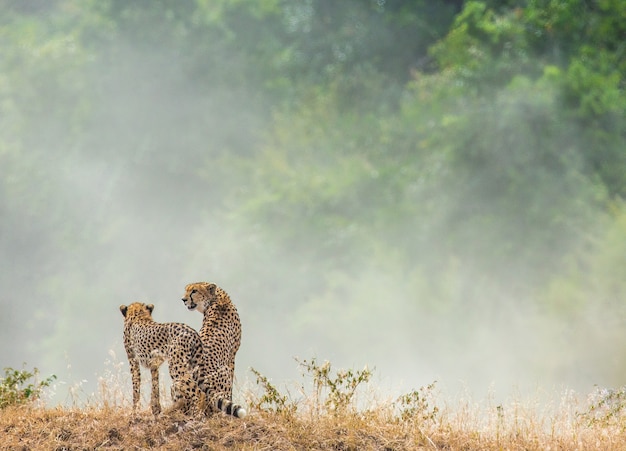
{"points": [[149, 344], [220, 333]]}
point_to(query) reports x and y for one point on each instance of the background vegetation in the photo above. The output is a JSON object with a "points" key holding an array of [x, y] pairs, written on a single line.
{"points": [[432, 187]]}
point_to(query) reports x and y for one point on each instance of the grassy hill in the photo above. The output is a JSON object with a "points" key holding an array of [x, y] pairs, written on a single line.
{"points": [[30, 428], [337, 411]]}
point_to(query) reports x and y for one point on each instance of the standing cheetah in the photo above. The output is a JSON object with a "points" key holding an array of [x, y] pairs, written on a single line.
{"points": [[149, 343]]}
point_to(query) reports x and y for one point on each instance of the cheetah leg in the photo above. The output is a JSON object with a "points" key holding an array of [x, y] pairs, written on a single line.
{"points": [[136, 378], [184, 388], [219, 400], [225, 376], [230, 378], [155, 396]]}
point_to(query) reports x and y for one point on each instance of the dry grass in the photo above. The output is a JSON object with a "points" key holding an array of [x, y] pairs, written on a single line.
{"points": [[33, 428], [328, 415]]}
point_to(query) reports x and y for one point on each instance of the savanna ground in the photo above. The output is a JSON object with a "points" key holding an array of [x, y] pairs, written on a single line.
{"points": [[335, 410]]}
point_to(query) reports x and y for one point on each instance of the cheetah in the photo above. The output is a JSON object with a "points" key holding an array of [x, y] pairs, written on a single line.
{"points": [[220, 333], [149, 343]]}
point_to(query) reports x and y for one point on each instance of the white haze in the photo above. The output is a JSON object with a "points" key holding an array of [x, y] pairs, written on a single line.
{"points": [[60, 307]]}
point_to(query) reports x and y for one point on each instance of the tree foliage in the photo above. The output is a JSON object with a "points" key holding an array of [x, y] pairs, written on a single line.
{"points": [[469, 154]]}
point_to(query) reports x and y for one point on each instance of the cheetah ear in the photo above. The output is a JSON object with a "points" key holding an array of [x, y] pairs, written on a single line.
{"points": [[123, 309], [150, 307], [212, 288]]}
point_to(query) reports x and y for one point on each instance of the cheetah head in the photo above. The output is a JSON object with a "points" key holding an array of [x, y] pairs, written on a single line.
{"points": [[200, 296], [137, 310]]}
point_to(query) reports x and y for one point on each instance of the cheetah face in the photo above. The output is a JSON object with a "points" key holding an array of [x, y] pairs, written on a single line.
{"points": [[188, 299], [199, 296]]}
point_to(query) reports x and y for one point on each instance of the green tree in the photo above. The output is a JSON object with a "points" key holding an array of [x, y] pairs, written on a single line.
{"points": [[576, 44]]}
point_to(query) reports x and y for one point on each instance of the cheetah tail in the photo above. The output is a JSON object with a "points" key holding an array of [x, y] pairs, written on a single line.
{"points": [[230, 409]]}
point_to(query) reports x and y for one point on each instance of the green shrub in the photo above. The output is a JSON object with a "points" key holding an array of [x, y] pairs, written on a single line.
{"points": [[332, 392], [21, 386], [272, 399], [336, 390], [415, 406], [606, 407]]}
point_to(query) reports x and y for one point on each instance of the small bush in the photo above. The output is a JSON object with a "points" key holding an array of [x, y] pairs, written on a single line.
{"points": [[337, 390], [271, 400], [415, 406], [606, 407], [16, 389], [333, 393]]}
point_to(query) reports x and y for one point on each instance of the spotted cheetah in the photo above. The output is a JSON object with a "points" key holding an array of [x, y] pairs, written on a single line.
{"points": [[220, 333], [149, 344]]}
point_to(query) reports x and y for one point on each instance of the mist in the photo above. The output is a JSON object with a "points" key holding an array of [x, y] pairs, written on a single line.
{"points": [[136, 159]]}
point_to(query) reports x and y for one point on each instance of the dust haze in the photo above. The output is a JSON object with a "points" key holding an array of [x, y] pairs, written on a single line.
{"points": [[138, 203]]}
